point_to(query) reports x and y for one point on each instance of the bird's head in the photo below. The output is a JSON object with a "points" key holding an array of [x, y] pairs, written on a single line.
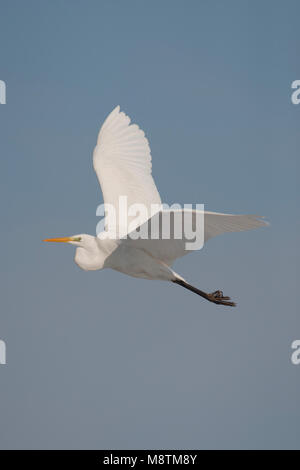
{"points": [[88, 255]]}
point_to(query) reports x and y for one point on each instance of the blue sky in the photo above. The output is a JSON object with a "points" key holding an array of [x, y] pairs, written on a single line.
{"points": [[100, 360]]}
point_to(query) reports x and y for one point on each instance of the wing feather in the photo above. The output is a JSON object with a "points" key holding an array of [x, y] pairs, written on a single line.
{"points": [[168, 250], [122, 161]]}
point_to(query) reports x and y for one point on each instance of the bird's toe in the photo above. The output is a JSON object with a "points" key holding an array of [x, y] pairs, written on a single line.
{"points": [[218, 298]]}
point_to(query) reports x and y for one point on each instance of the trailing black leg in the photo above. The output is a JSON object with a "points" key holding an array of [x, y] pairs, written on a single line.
{"points": [[216, 297]]}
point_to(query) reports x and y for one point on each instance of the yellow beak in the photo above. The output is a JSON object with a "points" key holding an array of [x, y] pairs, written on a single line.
{"points": [[59, 240]]}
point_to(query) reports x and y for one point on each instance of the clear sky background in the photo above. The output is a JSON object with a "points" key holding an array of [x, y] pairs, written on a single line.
{"points": [[101, 360]]}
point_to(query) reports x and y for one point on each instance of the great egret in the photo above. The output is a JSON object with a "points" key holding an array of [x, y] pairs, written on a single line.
{"points": [[122, 162]]}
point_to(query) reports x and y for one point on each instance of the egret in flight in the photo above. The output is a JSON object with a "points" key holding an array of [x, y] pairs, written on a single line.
{"points": [[122, 161]]}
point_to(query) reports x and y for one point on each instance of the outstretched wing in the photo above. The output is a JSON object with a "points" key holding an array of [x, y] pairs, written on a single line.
{"points": [[122, 161], [211, 224]]}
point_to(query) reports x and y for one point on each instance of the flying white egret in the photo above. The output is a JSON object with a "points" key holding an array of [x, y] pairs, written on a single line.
{"points": [[122, 162]]}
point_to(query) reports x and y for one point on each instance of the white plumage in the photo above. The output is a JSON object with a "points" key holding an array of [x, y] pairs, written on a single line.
{"points": [[122, 162]]}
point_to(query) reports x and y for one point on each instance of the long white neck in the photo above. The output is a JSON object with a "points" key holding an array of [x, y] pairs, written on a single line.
{"points": [[92, 252]]}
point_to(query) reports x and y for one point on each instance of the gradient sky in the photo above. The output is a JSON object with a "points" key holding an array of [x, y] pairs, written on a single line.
{"points": [[100, 360]]}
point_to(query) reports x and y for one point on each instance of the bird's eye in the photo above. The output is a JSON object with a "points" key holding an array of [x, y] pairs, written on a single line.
{"points": [[77, 239]]}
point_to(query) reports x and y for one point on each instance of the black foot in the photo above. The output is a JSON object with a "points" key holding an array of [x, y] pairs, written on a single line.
{"points": [[218, 298]]}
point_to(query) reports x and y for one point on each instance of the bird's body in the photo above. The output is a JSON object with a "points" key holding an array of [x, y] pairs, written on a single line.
{"points": [[99, 254], [122, 162]]}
